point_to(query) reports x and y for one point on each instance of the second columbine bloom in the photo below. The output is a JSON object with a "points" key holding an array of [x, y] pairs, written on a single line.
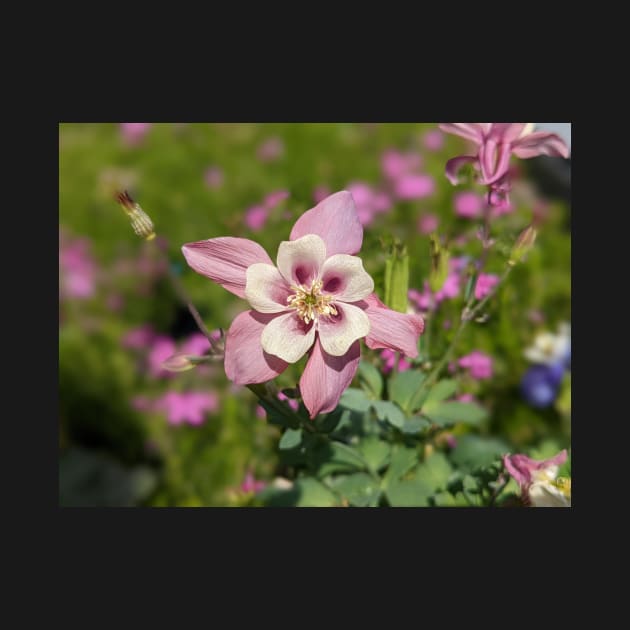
{"points": [[317, 298]]}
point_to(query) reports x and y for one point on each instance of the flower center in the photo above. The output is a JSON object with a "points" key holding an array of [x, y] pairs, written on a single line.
{"points": [[310, 303]]}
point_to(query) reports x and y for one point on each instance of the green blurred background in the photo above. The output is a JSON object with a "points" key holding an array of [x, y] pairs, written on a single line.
{"points": [[198, 181]]}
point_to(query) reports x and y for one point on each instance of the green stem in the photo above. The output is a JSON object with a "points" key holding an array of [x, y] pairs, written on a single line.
{"points": [[468, 314]]}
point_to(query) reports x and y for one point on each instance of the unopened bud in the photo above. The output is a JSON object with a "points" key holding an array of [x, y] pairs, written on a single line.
{"points": [[183, 362], [523, 244], [397, 278], [439, 264], [140, 220]]}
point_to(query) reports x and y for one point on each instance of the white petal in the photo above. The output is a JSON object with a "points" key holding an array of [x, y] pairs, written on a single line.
{"points": [[265, 289], [299, 261], [338, 333], [529, 128], [547, 495], [287, 337], [345, 278]]}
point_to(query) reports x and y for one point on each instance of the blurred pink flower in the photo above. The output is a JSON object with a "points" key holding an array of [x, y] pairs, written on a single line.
{"points": [[433, 140], [389, 361], [465, 398], [196, 345], [320, 193], [162, 348], [141, 403], [251, 484], [424, 300], [450, 288], [256, 217], [468, 205], [134, 133], [274, 198], [369, 201], [260, 412], [139, 337], [414, 186], [485, 283], [428, 223], [190, 407], [395, 164], [294, 404], [478, 364], [77, 268], [270, 150], [213, 177]]}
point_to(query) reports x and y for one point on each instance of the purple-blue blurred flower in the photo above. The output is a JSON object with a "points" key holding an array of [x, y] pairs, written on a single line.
{"points": [[541, 383]]}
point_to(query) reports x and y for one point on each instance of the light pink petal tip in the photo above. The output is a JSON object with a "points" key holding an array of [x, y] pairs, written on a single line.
{"points": [[454, 165], [245, 360], [225, 260], [540, 143], [326, 377], [390, 329], [470, 131], [335, 219]]}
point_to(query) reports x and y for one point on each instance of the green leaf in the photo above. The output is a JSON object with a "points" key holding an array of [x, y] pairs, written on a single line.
{"points": [[403, 389], [408, 493], [306, 492], [445, 413], [474, 451], [328, 422], [415, 425], [375, 452], [435, 471], [389, 412], [290, 439], [441, 391], [402, 460], [371, 379], [360, 489], [355, 399], [328, 457]]}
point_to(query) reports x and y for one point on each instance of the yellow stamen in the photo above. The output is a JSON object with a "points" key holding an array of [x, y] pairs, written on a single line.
{"points": [[310, 303]]}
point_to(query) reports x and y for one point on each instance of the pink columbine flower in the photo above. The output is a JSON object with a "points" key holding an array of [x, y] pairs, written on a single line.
{"points": [[428, 223], [495, 143], [433, 140], [213, 177], [270, 150], [537, 480], [134, 133], [478, 364], [189, 407], [485, 283], [468, 205], [251, 484], [318, 300], [389, 361]]}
